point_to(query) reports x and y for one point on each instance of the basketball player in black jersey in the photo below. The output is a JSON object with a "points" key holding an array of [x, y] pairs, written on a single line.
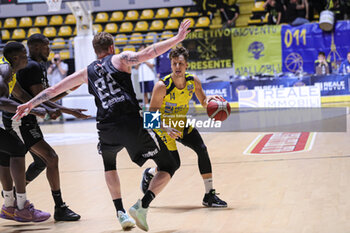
{"points": [[12, 149], [118, 117], [33, 79]]}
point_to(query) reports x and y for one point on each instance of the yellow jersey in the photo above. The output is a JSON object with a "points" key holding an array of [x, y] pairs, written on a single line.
{"points": [[175, 107], [13, 79]]}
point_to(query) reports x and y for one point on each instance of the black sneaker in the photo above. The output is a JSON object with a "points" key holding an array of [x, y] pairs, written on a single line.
{"points": [[211, 200], [146, 180], [63, 213]]}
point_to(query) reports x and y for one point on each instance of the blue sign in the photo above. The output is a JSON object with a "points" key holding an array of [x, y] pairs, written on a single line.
{"points": [[217, 88], [332, 84], [300, 46], [151, 120]]}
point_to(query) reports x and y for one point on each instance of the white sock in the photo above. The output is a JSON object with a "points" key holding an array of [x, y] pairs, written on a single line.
{"points": [[208, 184], [153, 171], [9, 198], [21, 200]]}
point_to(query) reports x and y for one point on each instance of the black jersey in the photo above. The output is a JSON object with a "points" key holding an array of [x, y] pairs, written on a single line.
{"points": [[34, 73], [113, 91]]}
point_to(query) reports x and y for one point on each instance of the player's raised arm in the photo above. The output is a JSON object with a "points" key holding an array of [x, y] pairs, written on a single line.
{"points": [[129, 58], [66, 84]]}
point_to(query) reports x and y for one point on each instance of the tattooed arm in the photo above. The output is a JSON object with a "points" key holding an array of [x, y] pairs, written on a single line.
{"points": [[67, 83], [125, 60]]}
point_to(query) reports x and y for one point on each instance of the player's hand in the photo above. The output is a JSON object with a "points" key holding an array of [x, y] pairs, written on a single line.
{"points": [[183, 29], [173, 133], [53, 113], [214, 97], [22, 110], [78, 113]]}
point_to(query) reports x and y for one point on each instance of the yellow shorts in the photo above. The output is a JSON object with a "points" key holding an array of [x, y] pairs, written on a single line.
{"points": [[169, 141]]}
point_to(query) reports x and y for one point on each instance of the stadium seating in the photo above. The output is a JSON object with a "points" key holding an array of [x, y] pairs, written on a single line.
{"points": [[203, 22], [5, 34], [132, 15], [172, 24], [216, 22], [117, 16], [129, 48], [111, 28], [0, 24], [157, 25], [101, 17], [32, 31], [10, 23], [51, 55], [141, 26], [166, 35], [25, 22], [177, 12], [64, 54], [121, 39], [75, 31], [58, 43], [147, 14], [18, 34], [97, 27], [162, 13], [65, 31], [70, 19], [117, 50], [191, 19], [258, 6], [56, 20], [136, 38], [40, 21], [50, 32], [150, 37], [71, 41], [126, 27]]}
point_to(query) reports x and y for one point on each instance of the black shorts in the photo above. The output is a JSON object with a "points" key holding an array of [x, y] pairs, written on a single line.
{"points": [[10, 146], [128, 132], [29, 129]]}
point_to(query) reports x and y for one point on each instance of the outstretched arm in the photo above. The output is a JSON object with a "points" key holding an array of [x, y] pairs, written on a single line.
{"points": [[125, 60], [68, 83]]}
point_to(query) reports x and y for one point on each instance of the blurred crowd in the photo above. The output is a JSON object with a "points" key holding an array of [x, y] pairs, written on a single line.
{"points": [[296, 12]]}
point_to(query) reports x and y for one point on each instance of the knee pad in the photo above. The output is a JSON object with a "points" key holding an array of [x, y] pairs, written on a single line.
{"points": [[4, 160], [109, 160]]}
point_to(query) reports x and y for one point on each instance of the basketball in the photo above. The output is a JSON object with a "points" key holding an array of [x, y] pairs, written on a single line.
{"points": [[218, 109]]}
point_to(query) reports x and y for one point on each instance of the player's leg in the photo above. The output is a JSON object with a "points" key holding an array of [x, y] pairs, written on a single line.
{"points": [[50, 158], [108, 151], [195, 142], [35, 168], [152, 147], [16, 150], [149, 173]]}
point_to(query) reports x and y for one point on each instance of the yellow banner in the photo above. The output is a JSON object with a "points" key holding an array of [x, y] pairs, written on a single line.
{"points": [[257, 50]]}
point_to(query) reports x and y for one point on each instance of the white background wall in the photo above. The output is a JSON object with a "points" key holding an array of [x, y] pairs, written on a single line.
{"points": [[12, 10]]}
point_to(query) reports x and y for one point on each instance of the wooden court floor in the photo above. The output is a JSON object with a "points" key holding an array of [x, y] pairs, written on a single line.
{"points": [[305, 192]]}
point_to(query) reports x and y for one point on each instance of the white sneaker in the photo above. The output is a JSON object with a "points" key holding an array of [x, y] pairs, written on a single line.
{"points": [[125, 220], [140, 215]]}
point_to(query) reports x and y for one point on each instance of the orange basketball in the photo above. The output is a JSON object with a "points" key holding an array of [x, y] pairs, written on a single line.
{"points": [[218, 109]]}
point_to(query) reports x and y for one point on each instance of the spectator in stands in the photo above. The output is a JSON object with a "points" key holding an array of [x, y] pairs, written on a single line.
{"points": [[345, 65], [296, 11], [146, 76], [163, 65], [315, 7], [338, 10], [322, 66], [57, 70], [275, 11], [229, 13]]}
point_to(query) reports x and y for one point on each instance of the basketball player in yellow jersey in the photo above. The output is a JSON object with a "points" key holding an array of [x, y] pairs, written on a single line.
{"points": [[171, 96]]}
